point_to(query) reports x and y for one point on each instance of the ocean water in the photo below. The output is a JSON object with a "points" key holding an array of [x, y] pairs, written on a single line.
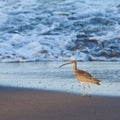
{"points": [[56, 30], [47, 76]]}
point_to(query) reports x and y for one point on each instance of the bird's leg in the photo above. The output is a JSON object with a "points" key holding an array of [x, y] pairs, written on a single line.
{"points": [[89, 90], [83, 89]]}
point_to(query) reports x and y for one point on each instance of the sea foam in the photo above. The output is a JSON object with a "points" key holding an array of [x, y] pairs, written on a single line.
{"points": [[59, 30]]}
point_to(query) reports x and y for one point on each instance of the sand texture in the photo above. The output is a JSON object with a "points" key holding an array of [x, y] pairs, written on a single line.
{"points": [[22, 104]]}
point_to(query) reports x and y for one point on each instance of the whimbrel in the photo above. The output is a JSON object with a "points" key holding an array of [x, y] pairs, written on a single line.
{"points": [[82, 76]]}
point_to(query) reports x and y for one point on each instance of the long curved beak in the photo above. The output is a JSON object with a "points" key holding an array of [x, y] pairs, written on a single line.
{"points": [[64, 64]]}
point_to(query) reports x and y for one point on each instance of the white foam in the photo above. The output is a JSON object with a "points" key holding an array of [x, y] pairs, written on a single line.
{"points": [[4, 18], [33, 30]]}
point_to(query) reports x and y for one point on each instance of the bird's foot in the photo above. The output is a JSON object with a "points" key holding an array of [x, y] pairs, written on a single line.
{"points": [[89, 95], [83, 95], [86, 95]]}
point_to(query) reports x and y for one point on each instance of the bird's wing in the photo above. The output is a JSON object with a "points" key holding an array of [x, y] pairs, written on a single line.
{"points": [[84, 73]]}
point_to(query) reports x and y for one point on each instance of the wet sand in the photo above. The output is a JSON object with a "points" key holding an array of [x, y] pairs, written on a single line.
{"points": [[24, 104]]}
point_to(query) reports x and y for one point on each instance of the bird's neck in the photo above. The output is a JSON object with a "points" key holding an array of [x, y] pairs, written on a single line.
{"points": [[74, 66]]}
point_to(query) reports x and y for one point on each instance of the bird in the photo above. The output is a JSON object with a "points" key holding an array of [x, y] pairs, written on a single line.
{"points": [[82, 76]]}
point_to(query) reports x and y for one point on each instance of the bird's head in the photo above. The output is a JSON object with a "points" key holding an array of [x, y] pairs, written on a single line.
{"points": [[73, 62]]}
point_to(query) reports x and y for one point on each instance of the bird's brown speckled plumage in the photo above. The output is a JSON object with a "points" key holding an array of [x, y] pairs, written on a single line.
{"points": [[84, 76], [81, 75]]}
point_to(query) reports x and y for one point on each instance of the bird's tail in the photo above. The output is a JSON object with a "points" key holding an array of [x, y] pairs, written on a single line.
{"points": [[98, 82], [95, 81]]}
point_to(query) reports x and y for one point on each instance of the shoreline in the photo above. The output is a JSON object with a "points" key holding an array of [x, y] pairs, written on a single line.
{"points": [[36, 76], [12, 88], [28, 104]]}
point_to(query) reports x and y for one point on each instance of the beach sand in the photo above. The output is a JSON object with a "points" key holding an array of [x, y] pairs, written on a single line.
{"points": [[25, 104]]}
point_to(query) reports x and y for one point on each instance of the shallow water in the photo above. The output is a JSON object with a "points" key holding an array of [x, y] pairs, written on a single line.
{"points": [[47, 76]]}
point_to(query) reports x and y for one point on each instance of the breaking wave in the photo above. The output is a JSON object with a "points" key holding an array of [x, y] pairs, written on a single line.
{"points": [[59, 30]]}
